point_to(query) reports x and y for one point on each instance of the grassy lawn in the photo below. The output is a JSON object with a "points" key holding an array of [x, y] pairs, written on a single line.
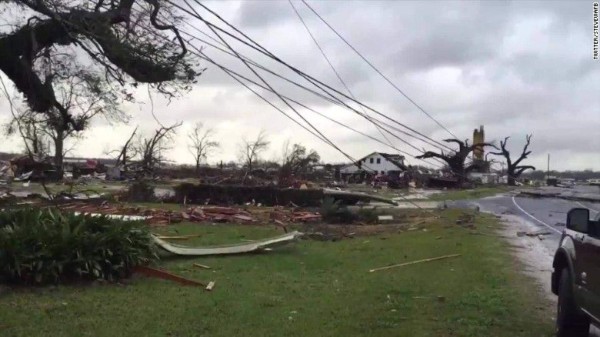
{"points": [[311, 288]]}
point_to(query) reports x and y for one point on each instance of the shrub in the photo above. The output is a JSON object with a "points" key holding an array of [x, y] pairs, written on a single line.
{"points": [[46, 246], [368, 215], [333, 211]]}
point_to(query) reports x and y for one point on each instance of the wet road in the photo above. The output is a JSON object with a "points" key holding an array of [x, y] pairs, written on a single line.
{"points": [[548, 214]]}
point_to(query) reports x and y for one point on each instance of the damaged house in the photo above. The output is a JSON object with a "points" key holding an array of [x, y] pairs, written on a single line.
{"points": [[374, 164]]}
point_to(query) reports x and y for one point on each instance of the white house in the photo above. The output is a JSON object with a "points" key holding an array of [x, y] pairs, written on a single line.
{"points": [[485, 178], [376, 163]]}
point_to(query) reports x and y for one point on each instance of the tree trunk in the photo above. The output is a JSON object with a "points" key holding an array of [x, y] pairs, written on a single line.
{"points": [[197, 166], [58, 154], [510, 177]]}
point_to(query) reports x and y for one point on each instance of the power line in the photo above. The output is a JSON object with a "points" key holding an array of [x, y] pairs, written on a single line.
{"points": [[372, 119], [202, 55], [237, 55], [266, 100], [329, 99], [334, 70], [323, 137], [378, 71], [278, 95], [256, 46], [236, 74]]}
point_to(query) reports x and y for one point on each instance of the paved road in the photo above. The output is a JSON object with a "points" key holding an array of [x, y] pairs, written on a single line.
{"points": [[548, 214]]}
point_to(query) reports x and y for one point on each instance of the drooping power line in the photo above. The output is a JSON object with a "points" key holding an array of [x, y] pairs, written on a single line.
{"points": [[378, 71]]}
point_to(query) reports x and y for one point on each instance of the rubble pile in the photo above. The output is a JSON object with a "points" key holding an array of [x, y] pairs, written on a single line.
{"points": [[215, 214]]}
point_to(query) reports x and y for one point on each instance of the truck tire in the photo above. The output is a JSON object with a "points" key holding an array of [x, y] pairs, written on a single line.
{"points": [[570, 321]]}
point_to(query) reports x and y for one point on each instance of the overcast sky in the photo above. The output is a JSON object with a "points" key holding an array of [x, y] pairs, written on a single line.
{"points": [[515, 67]]}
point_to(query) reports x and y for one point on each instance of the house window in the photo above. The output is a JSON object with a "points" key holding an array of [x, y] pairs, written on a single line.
{"points": [[370, 160], [378, 160]]}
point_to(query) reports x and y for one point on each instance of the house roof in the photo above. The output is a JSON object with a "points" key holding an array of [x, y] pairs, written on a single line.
{"points": [[396, 159]]}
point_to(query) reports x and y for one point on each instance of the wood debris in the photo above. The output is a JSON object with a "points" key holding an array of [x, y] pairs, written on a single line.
{"points": [[164, 275], [415, 262], [203, 266]]}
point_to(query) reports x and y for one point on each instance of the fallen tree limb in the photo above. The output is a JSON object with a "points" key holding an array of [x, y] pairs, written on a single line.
{"points": [[415, 262]]}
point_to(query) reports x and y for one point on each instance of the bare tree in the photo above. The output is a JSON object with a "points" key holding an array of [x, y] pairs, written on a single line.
{"points": [[34, 139], [85, 95], [201, 144], [456, 159], [513, 169], [250, 150], [130, 45], [127, 153], [151, 149], [296, 160]]}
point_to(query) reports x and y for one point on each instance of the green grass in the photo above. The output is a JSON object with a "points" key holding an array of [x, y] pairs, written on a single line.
{"points": [[476, 193], [307, 289]]}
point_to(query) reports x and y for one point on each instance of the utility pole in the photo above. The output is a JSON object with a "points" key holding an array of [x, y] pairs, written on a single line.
{"points": [[548, 169]]}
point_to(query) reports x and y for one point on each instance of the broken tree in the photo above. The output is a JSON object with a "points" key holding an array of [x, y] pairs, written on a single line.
{"points": [[513, 169], [250, 151], [456, 159], [128, 44], [84, 93], [201, 144]]}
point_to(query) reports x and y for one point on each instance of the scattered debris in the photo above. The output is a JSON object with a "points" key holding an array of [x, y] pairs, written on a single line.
{"points": [[210, 286], [225, 250], [532, 234], [385, 218], [415, 262], [201, 266], [279, 215], [353, 197], [161, 274]]}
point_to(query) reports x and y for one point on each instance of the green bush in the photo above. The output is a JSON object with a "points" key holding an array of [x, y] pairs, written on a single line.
{"points": [[368, 215], [47, 246], [332, 211]]}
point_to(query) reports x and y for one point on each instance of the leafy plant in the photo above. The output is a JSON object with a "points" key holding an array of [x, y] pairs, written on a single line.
{"points": [[368, 215], [333, 211], [41, 246]]}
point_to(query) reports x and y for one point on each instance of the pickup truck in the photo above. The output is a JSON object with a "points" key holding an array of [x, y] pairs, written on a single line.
{"points": [[576, 275]]}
